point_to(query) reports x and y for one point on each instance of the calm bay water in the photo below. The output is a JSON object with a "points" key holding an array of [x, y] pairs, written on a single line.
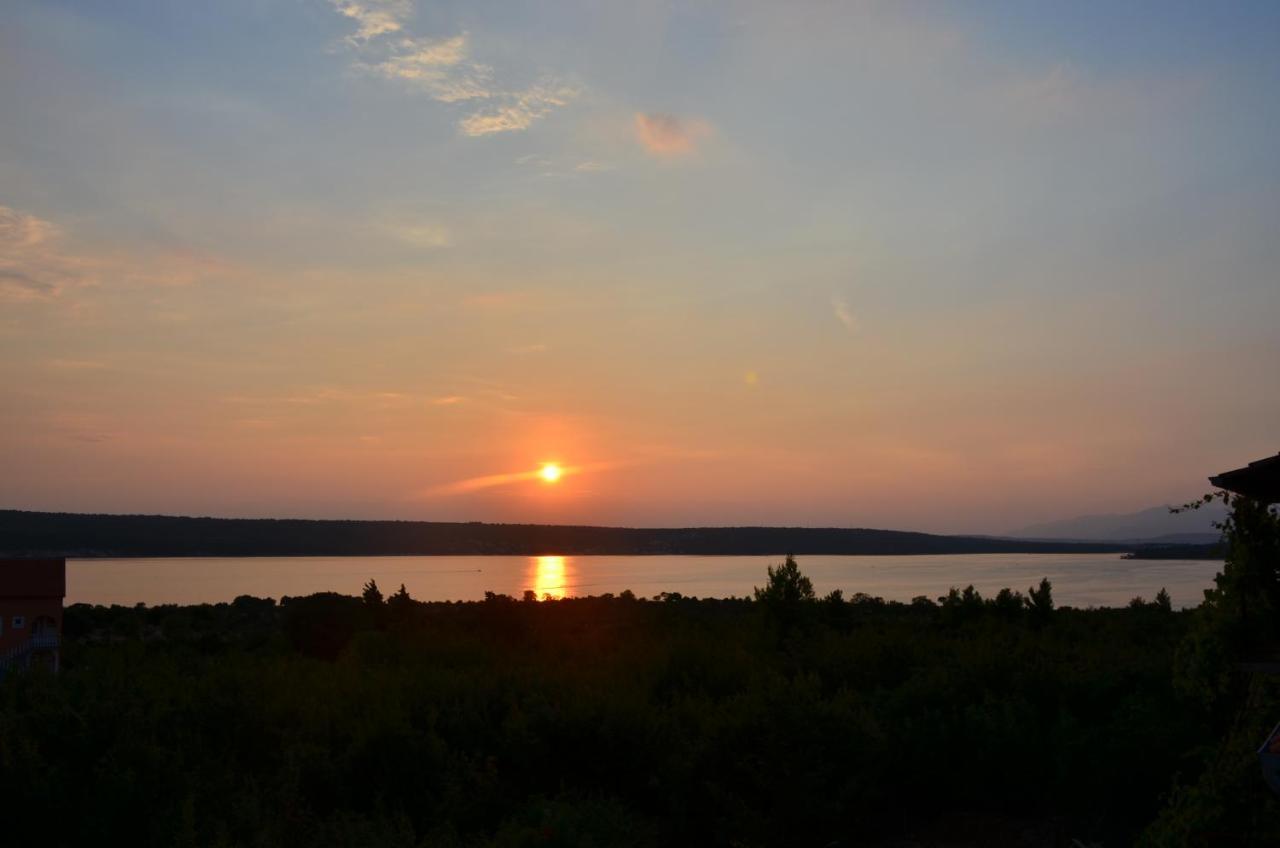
{"points": [[1078, 580]]}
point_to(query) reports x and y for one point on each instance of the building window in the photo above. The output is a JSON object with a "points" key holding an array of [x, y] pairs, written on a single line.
{"points": [[19, 622]]}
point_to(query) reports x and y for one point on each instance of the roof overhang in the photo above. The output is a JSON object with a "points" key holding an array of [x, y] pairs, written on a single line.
{"points": [[1259, 480]]}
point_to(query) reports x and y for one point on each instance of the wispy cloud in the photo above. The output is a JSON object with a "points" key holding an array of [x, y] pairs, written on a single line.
{"points": [[668, 136], [843, 313], [490, 481], [475, 484], [374, 17], [36, 265], [29, 268], [83, 426], [939, 58], [422, 235], [18, 230], [336, 396], [519, 111], [15, 285], [437, 67], [330, 395], [418, 54], [442, 69], [1065, 92], [563, 167]]}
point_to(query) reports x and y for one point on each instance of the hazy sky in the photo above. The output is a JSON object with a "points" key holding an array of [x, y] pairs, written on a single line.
{"points": [[954, 267]]}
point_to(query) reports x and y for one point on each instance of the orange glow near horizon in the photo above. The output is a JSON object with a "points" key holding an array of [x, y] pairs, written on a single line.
{"points": [[566, 293], [549, 576]]}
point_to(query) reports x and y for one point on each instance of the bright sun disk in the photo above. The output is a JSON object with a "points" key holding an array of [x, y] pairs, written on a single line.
{"points": [[550, 472]]}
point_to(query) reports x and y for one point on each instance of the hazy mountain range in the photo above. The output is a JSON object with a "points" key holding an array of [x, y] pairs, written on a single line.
{"points": [[1154, 524]]}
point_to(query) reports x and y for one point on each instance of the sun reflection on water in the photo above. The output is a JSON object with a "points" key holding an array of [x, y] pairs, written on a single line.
{"points": [[549, 576]]}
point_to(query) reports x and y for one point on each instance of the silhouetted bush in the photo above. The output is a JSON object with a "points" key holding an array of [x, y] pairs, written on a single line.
{"points": [[601, 721], [321, 625]]}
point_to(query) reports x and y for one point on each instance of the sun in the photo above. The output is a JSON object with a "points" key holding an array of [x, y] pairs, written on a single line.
{"points": [[550, 472]]}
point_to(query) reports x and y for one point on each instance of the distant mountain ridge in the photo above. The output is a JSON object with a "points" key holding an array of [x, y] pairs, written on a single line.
{"points": [[1156, 524], [83, 536]]}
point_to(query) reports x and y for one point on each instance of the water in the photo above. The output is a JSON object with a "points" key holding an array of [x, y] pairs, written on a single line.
{"points": [[1078, 580]]}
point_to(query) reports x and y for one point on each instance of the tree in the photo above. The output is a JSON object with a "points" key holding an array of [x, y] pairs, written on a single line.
{"points": [[959, 606], [1240, 617], [372, 594], [1008, 603], [400, 603], [786, 586], [1040, 602], [784, 594]]}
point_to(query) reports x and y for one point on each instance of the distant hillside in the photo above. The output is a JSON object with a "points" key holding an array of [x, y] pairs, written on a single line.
{"points": [[73, 535], [1149, 525]]}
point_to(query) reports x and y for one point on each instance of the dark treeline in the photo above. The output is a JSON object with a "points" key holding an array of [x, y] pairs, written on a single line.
{"points": [[67, 534], [607, 721]]}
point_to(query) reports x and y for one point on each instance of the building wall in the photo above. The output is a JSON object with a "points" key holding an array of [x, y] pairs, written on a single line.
{"points": [[29, 609]]}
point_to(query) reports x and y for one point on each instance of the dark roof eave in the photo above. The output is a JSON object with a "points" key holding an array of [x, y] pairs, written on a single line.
{"points": [[1259, 480]]}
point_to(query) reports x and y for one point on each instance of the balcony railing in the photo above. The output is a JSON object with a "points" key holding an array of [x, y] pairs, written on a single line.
{"points": [[15, 657], [20, 656]]}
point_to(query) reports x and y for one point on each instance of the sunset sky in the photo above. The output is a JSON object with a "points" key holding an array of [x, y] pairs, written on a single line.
{"points": [[954, 267]]}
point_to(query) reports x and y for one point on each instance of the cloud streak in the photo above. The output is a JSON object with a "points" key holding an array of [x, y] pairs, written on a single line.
{"points": [[843, 313], [442, 69], [29, 268], [374, 17], [520, 110], [491, 481], [667, 136], [438, 68], [35, 265], [424, 235]]}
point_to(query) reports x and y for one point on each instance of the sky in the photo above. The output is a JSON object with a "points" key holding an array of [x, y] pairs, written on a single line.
{"points": [[938, 266]]}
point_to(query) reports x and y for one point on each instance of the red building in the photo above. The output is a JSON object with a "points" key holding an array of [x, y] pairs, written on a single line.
{"points": [[31, 593]]}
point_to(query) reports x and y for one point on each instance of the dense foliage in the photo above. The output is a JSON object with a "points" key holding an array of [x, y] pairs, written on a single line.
{"points": [[1230, 662], [331, 720]]}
